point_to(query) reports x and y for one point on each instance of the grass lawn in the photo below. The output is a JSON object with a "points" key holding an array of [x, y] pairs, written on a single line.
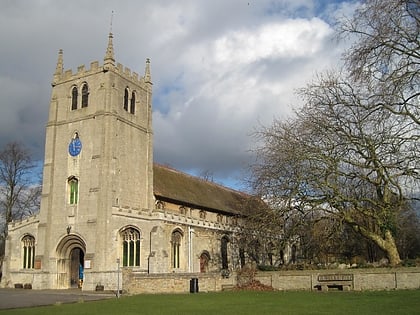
{"points": [[242, 303]]}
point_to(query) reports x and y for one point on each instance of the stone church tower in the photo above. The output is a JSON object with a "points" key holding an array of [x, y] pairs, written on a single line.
{"points": [[98, 156]]}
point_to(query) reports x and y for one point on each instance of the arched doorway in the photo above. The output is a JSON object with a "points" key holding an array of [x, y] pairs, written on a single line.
{"points": [[77, 262], [70, 263]]}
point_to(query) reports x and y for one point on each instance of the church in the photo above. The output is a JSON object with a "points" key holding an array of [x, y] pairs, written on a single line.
{"points": [[105, 204]]}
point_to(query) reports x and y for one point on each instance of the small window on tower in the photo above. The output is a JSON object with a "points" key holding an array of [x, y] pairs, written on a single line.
{"points": [[133, 103], [74, 95], [126, 99], [85, 95], [73, 184]]}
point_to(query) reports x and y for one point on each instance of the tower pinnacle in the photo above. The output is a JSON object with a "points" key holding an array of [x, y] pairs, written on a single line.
{"points": [[59, 68], [109, 55], [147, 75]]}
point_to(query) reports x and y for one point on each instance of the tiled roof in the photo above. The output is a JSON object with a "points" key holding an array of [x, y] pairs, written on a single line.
{"points": [[195, 192]]}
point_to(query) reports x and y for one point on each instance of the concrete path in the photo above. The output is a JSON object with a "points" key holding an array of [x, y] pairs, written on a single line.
{"points": [[18, 298]]}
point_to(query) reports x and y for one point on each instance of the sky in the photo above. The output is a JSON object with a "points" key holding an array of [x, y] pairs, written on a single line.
{"points": [[221, 69]]}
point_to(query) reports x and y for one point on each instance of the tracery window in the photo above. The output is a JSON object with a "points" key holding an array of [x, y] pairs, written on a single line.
{"points": [[74, 95], [85, 95], [176, 246], [28, 248], [131, 247], [133, 103], [73, 186]]}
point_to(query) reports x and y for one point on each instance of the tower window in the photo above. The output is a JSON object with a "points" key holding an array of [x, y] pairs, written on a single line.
{"points": [[126, 99], [85, 95], [73, 184], [133, 103], [74, 95], [176, 246], [131, 247], [28, 247]]}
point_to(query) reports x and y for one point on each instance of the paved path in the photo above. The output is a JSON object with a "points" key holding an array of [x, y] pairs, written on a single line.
{"points": [[18, 298]]}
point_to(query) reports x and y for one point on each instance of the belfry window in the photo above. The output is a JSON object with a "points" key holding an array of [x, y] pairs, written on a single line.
{"points": [[126, 99], [131, 247], [133, 103], [176, 246], [85, 95], [73, 186], [28, 248], [74, 95]]}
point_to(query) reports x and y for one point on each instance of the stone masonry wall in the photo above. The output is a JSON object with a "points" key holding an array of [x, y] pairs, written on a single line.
{"points": [[362, 279]]}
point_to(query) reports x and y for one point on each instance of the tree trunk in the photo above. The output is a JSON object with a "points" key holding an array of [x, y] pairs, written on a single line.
{"points": [[390, 247]]}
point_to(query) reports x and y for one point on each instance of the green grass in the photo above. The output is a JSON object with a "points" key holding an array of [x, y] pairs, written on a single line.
{"points": [[242, 303]]}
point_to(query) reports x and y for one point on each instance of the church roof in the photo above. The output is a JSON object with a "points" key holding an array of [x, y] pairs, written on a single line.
{"points": [[175, 186]]}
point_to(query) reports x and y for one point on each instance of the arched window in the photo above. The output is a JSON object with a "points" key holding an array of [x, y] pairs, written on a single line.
{"points": [[176, 246], [133, 103], [73, 188], [126, 99], [85, 95], [224, 252], [74, 95], [28, 248], [131, 247]]}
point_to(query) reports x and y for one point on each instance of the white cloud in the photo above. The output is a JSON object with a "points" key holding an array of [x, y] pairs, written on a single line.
{"points": [[219, 68]]}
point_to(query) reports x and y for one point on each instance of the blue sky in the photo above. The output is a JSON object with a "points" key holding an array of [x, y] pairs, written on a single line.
{"points": [[220, 68]]}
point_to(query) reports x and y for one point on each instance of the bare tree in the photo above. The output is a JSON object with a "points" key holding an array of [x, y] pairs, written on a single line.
{"points": [[351, 154], [20, 190], [386, 53], [341, 158]]}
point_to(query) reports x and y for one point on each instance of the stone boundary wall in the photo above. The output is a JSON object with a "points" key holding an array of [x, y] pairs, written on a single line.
{"points": [[362, 279]]}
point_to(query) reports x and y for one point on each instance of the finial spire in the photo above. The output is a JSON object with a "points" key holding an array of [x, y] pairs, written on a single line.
{"points": [[147, 75], [109, 55], [110, 24]]}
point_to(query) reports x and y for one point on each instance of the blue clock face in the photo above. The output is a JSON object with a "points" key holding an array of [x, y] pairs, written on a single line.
{"points": [[75, 146]]}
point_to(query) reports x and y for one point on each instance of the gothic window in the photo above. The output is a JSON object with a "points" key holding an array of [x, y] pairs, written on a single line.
{"points": [[133, 103], [224, 252], [131, 247], [126, 99], [28, 247], [74, 95], [85, 95], [176, 246], [73, 186]]}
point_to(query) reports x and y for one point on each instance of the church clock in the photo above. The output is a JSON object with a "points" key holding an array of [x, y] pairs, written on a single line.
{"points": [[75, 146]]}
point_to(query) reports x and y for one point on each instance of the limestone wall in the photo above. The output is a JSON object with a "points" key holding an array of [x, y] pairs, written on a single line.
{"points": [[363, 279]]}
